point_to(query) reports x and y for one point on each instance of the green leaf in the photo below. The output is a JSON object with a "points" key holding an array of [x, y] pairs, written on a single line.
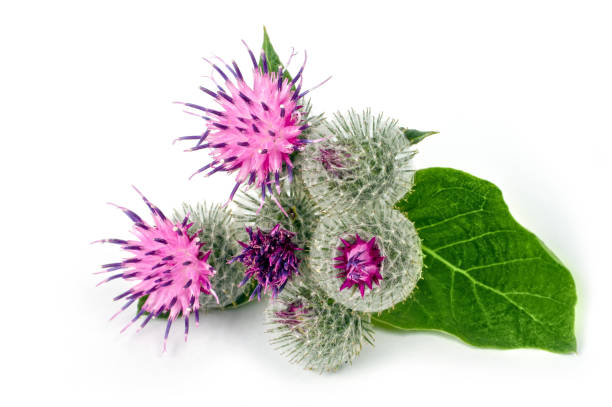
{"points": [[487, 279], [274, 61], [416, 136]]}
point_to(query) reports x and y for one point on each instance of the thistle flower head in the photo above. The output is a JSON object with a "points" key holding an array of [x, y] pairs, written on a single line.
{"points": [[270, 258], [362, 160], [360, 263], [314, 331], [256, 127], [167, 265], [379, 245]]}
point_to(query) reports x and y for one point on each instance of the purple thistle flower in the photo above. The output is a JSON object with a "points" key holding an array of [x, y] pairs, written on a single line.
{"points": [[256, 128], [269, 258], [360, 263]]}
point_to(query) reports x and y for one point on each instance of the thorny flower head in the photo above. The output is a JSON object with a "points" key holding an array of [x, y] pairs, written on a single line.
{"points": [[257, 127], [270, 258], [360, 263], [167, 265]]}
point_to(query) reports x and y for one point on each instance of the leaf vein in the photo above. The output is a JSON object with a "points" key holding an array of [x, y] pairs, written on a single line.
{"points": [[451, 266], [450, 219], [544, 297], [481, 305], [471, 239], [502, 263]]}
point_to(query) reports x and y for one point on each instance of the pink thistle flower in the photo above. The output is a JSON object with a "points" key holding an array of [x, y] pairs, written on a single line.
{"points": [[257, 127], [167, 265], [360, 263], [269, 258]]}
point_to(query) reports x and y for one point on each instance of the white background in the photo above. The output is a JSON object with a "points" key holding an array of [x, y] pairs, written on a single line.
{"points": [[520, 91]]}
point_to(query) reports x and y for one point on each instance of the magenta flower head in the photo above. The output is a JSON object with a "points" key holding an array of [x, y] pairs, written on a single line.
{"points": [[168, 266], [269, 258], [256, 127], [360, 263]]}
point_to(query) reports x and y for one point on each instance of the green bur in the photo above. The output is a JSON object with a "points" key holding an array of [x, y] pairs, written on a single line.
{"points": [[397, 241], [362, 161], [324, 335]]}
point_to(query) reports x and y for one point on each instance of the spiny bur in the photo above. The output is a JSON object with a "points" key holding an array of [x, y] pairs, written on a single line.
{"points": [[363, 160], [314, 331], [352, 250]]}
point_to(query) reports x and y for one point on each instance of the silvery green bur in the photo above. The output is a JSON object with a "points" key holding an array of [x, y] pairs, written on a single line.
{"points": [[221, 233], [366, 260], [363, 160], [301, 218], [314, 331]]}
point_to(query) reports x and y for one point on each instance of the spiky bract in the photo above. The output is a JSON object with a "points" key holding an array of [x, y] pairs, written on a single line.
{"points": [[398, 242], [363, 161], [315, 332]]}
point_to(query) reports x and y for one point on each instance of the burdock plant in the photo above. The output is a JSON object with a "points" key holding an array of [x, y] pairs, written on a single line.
{"points": [[324, 224]]}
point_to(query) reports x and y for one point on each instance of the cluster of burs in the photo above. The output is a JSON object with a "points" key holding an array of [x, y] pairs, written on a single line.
{"points": [[345, 185]]}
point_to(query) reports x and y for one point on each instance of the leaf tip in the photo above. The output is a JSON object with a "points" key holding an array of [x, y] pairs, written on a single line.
{"points": [[416, 136]]}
